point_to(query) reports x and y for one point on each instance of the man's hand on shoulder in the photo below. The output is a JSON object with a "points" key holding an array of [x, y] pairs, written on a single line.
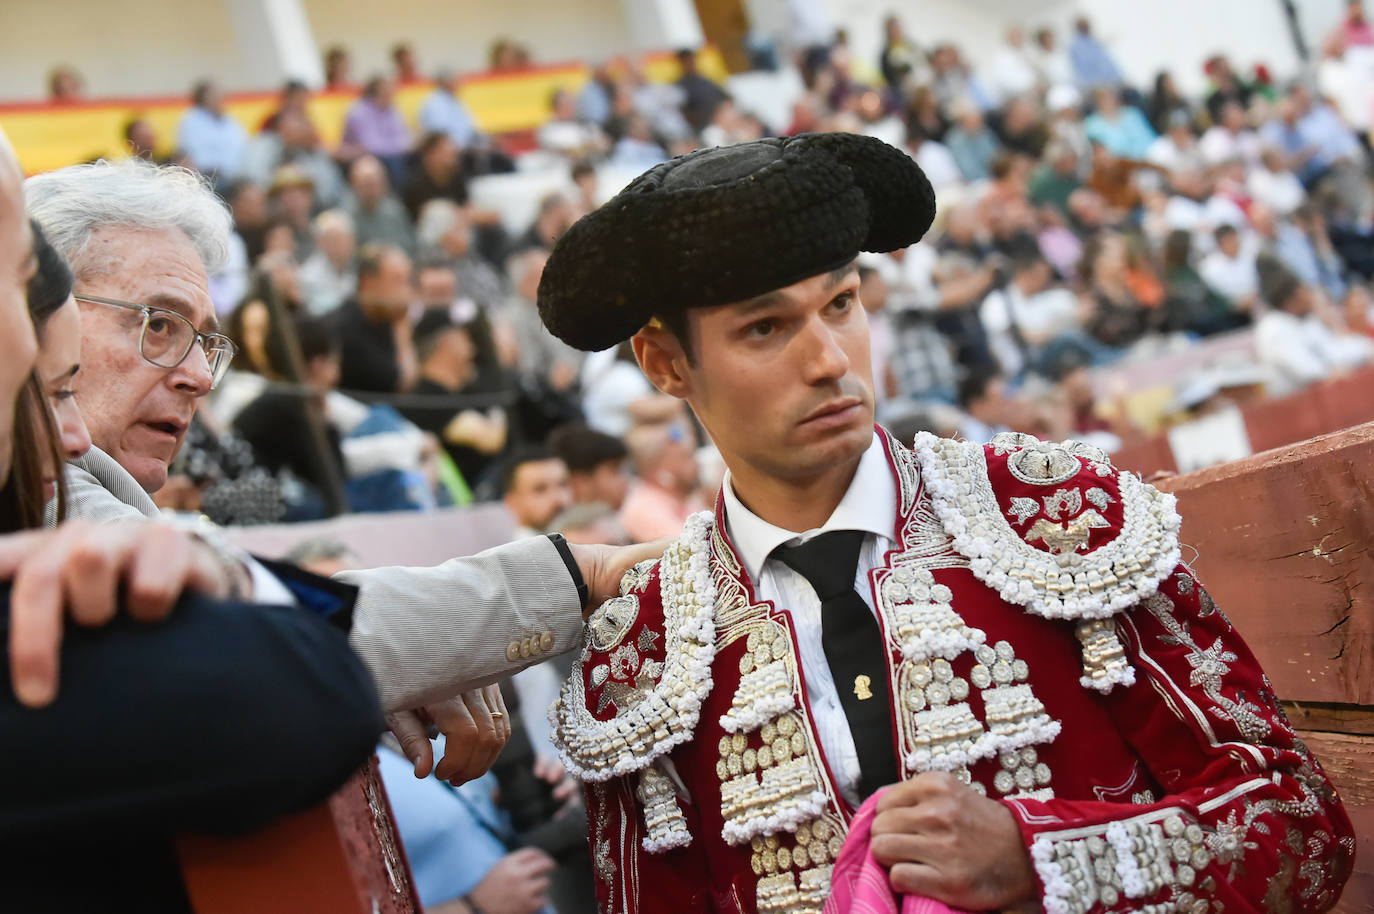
{"points": [[84, 569], [476, 728], [602, 567], [941, 840]]}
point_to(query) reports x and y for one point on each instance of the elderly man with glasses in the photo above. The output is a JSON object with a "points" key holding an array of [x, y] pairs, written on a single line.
{"points": [[141, 241]]}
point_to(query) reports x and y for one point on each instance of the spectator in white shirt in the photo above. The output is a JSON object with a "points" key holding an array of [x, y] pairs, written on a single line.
{"points": [[329, 275], [1272, 184], [565, 134], [1013, 71], [1231, 139], [1052, 62], [1178, 148], [1025, 314], [1194, 208], [1294, 346], [1230, 270], [934, 158]]}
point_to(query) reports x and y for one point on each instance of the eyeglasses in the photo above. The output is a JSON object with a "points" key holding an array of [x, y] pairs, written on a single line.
{"points": [[165, 338]]}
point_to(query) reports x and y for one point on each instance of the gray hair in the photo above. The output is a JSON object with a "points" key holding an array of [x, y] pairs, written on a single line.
{"points": [[435, 219], [70, 203]]}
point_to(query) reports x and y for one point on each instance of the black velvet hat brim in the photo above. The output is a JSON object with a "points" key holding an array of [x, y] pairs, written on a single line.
{"points": [[726, 224]]}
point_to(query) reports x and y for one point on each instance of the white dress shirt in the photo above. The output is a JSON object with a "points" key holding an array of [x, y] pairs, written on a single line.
{"points": [[870, 505]]}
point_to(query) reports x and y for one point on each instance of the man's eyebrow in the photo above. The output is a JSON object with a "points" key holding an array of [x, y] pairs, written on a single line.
{"points": [[762, 302], [180, 306], [840, 274]]}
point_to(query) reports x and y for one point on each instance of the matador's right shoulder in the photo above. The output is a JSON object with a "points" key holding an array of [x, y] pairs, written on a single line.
{"points": [[636, 692]]}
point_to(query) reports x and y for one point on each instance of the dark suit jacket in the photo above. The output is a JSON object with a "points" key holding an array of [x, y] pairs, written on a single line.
{"points": [[219, 719]]}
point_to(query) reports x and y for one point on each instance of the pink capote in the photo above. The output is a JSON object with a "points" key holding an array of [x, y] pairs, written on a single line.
{"points": [[859, 884]]}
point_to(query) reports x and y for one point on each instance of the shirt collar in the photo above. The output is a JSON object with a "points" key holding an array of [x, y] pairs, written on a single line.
{"points": [[870, 505]]}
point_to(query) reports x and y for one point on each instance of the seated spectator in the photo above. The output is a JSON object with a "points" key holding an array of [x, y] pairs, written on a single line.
{"points": [[212, 140], [535, 490], [934, 158], [407, 70], [596, 462], [378, 217], [1190, 304], [1294, 345], [554, 217], [65, 85], [972, 144], [375, 126], [1177, 146], [1013, 72], [988, 411], [141, 140], [700, 95], [542, 357], [1226, 87], [444, 112], [295, 98], [594, 99], [587, 199], [329, 275], [637, 149], [1019, 127], [660, 102], [1167, 106], [1055, 180], [292, 201], [1230, 138], [472, 438], [1120, 128], [1093, 65], [445, 232], [1230, 270], [1272, 184], [923, 112], [378, 350], [663, 494], [565, 134], [456, 842], [729, 126], [1358, 310], [1025, 315], [437, 173], [1115, 317], [616, 395], [1194, 208], [338, 70], [1304, 246], [294, 142], [1051, 62]]}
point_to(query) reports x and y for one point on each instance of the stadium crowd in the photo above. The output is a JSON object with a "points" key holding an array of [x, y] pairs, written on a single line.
{"points": [[390, 356]]}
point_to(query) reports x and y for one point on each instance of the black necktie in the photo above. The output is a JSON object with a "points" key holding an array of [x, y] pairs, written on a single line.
{"points": [[853, 647]]}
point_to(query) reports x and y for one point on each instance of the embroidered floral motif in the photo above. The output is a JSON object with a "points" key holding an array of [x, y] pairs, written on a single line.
{"points": [[1023, 509], [638, 577], [1069, 501], [1210, 665], [612, 621], [1099, 497]]}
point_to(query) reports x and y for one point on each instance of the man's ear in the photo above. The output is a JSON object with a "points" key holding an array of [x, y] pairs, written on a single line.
{"points": [[662, 360]]}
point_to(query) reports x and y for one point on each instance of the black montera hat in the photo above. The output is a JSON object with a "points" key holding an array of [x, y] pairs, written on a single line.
{"points": [[726, 224]]}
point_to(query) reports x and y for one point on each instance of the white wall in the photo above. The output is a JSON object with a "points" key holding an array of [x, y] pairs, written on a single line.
{"points": [[122, 47], [459, 33]]}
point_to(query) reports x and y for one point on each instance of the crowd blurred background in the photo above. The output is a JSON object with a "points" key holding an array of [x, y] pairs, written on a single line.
{"points": [[382, 297]]}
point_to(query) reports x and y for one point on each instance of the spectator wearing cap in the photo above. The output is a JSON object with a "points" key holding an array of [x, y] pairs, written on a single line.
{"points": [[378, 217], [375, 126], [444, 112], [292, 198], [330, 275], [212, 140]]}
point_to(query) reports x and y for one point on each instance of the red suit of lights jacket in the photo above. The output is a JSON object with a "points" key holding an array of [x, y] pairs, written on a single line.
{"points": [[1045, 647]]}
